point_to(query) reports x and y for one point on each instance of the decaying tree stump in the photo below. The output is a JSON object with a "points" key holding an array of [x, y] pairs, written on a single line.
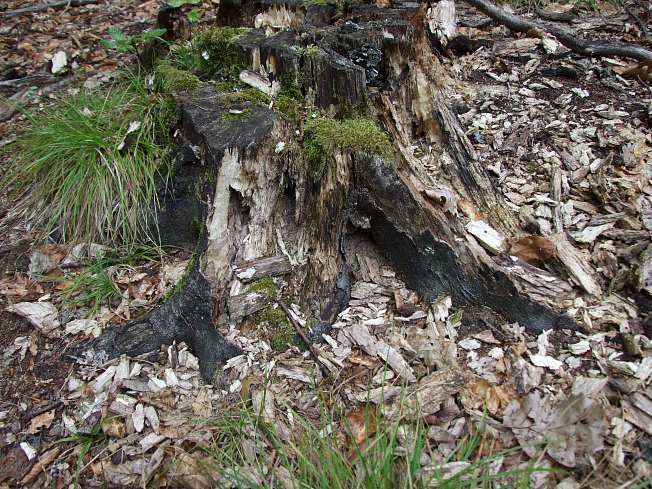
{"points": [[431, 209]]}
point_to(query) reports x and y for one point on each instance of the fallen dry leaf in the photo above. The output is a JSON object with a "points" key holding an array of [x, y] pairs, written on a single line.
{"points": [[202, 405], [642, 70], [191, 472], [43, 315], [114, 426], [361, 424], [534, 250], [41, 464], [478, 393], [41, 421], [20, 288]]}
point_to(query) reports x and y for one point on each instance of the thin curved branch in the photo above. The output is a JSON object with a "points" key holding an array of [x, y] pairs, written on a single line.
{"points": [[585, 47]]}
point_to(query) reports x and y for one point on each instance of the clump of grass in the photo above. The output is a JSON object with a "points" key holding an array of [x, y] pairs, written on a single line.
{"points": [[87, 167], [322, 454], [93, 286], [322, 135], [212, 54], [85, 441], [173, 80]]}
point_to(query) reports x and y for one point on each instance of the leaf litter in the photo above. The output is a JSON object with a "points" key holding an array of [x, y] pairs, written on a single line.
{"points": [[576, 400]]}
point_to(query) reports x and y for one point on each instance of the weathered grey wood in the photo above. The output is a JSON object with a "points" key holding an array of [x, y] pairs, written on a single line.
{"points": [[252, 270], [442, 21], [243, 305]]}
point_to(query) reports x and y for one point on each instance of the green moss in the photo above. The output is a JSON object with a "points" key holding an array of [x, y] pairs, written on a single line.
{"points": [[289, 100], [212, 54], [361, 110], [252, 95], [265, 285], [173, 80], [322, 135], [336, 3], [309, 50], [272, 316], [232, 117], [277, 328]]}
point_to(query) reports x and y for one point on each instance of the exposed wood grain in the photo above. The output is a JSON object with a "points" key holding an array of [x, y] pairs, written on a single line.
{"points": [[271, 266], [243, 305]]}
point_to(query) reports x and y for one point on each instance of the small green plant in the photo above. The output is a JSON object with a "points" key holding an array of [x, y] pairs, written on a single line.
{"points": [[289, 100], [93, 286], [194, 16], [123, 43], [88, 166], [277, 328], [265, 286], [172, 80], [212, 54], [322, 135], [85, 442]]}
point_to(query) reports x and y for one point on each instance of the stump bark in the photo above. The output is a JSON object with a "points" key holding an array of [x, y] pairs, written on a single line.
{"points": [[431, 209]]}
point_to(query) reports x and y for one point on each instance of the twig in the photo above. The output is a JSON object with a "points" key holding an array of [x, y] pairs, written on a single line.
{"points": [[633, 15], [46, 6], [28, 80], [304, 338], [585, 47], [44, 409]]}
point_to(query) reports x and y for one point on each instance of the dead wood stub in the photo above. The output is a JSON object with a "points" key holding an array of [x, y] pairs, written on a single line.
{"points": [[260, 200]]}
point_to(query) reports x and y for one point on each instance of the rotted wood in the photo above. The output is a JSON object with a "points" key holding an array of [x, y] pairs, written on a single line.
{"points": [[272, 266], [266, 215], [243, 305]]}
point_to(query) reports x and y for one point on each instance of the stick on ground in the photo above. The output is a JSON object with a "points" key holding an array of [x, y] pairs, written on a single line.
{"points": [[304, 338], [46, 6], [571, 40]]}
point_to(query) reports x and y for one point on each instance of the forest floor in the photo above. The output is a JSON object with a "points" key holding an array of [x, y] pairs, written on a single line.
{"points": [[569, 142]]}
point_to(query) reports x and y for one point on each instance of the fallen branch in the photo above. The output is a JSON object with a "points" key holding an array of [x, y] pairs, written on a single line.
{"points": [[302, 334], [567, 17], [46, 6], [569, 39]]}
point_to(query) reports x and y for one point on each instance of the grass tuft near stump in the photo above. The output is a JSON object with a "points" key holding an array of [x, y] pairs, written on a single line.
{"points": [[87, 167]]}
